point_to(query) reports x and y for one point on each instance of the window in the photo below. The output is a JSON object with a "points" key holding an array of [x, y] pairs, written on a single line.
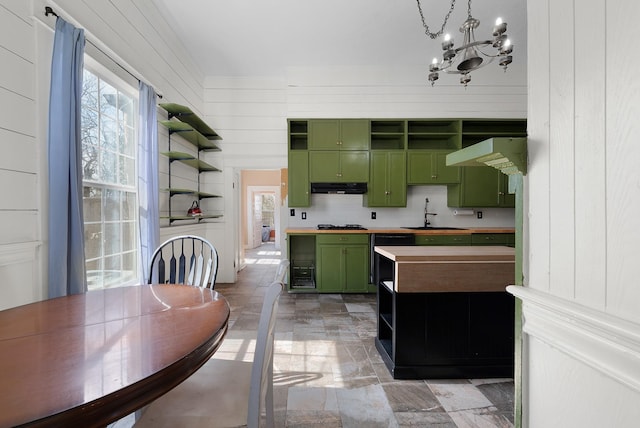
{"points": [[108, 134]]}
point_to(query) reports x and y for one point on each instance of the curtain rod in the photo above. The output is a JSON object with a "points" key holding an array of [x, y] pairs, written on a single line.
{"points": [[49, 11]]}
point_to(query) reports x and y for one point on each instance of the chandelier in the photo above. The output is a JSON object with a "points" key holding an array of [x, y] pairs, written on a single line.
{"points": [[470, 55]]}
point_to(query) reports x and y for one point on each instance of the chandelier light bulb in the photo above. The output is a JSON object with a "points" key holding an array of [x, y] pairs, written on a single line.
{"points": [[499, 28], [447, 44], [506, 48]]}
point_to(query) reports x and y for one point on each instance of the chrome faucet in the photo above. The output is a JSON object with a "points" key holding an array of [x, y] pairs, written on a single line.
{"points": [[427, 213]]}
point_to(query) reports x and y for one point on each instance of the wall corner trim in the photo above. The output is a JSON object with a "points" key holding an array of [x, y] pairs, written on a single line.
{"points": [[605, 342]]}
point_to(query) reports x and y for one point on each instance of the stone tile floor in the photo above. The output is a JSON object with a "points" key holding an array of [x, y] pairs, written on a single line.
{"points": [[327, 372]]}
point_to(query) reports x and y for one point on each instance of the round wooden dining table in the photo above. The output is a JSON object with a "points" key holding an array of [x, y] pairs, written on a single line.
{"points": [[90, 359]]}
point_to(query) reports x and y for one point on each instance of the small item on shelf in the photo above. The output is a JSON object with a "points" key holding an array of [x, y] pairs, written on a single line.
{"points": [[195, 210]]}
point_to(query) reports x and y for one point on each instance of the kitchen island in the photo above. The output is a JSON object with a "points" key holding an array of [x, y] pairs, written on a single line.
{"points": [[443, 311]]}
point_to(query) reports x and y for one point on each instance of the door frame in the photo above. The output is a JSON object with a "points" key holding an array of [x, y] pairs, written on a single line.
{"points": [[251, 192]]}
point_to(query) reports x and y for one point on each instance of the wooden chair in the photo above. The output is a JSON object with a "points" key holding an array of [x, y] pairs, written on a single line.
{"points": [[185, 259], [225, 393]]}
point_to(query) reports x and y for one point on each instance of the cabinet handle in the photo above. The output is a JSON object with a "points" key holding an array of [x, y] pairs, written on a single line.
{"points": [[339, 143], [339, 174], [342, 238], [433, 177], [387, 192]]}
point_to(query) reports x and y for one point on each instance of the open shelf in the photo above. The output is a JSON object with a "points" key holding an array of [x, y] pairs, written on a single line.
{"points": [[187, 132], [200, 195], [387, 134], [185, 124], [185, 114], [188, 159], [298, 134]]}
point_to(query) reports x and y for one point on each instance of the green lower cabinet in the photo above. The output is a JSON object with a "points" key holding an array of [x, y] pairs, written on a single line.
{"points": [[507, 239], [481, 186], [443, 239], [387, 179], [342, 263], [299, 192]]}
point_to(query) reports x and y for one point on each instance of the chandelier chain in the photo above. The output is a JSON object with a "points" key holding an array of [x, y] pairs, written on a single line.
{"points": [[427, 31]]}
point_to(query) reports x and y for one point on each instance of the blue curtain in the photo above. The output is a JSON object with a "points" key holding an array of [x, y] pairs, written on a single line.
{"points": [[66, 228], [149, 213]]}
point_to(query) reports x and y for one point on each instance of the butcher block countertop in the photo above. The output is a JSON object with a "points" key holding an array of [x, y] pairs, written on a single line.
{"points": [[465, 231], [437, 269]]}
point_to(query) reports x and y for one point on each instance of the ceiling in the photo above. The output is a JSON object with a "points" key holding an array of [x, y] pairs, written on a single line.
{"points": [[268, 37]]}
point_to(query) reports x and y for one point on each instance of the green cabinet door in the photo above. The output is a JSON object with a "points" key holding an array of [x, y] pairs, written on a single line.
{"points": [[429, 167], [333, 166], [335, 134], [387, 179], [299, 178], [330, 264], [354, 166], [356, 268], [481, 186], [342, 262]]}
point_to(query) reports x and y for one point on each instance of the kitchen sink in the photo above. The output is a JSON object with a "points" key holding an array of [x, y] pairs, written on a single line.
{"points": [[432, 228]]}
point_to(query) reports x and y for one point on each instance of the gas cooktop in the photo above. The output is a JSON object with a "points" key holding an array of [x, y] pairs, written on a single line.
{"points": [[340, 227]]}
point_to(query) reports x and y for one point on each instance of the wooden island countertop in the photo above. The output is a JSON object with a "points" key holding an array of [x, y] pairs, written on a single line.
{"points": [[437, 269]]}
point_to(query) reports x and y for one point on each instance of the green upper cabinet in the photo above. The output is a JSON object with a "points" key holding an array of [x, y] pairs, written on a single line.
{"points": [[338, 166], [387, 179], [481, 186], [429, 167], [336, 134], [298, 170], [428, 143], [484, 186], [299, 179]]}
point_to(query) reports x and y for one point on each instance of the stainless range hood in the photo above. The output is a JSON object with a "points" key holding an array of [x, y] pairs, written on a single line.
{"points": [[507, 154], [339, 188]]}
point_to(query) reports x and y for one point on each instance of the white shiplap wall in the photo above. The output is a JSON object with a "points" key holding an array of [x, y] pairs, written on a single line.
{"points": [[252, 113], [132, 32], [19, 175], [582, 324]]}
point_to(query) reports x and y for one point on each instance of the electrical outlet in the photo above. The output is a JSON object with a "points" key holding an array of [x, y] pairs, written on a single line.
{"points": [[304, 215], [292, 212], [479, 214], [373, 215]]}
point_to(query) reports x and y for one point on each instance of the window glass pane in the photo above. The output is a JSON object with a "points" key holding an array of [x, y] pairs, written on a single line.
{"points": [[111, 205], [127, 171], [111, 239], [109, 161], [128, 236], [108, 100], [125, 110], [89, 91], [109, 133], [93, 241], [127, 141], [109, 173], [129, 206], [92, 204]]}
